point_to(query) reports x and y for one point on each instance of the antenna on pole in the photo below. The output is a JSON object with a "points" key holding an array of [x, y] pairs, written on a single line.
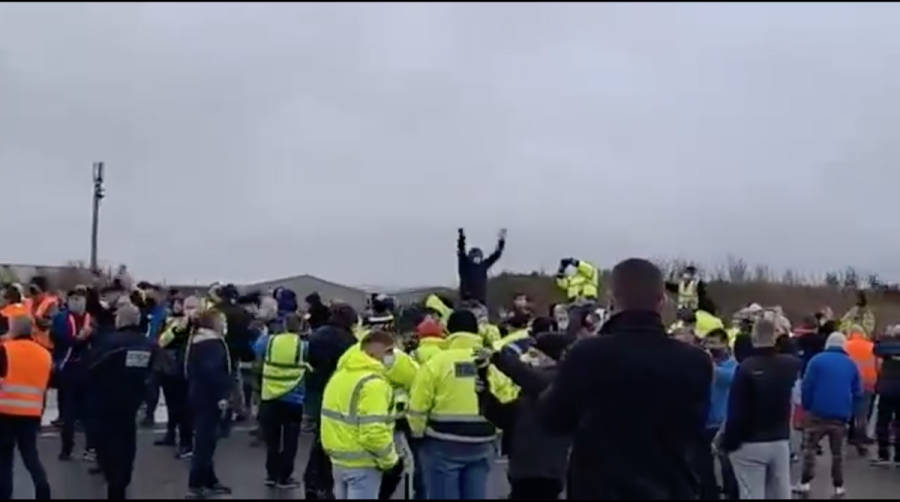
{"points": [[98, 194]]}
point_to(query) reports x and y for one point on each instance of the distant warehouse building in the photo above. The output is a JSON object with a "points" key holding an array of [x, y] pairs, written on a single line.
{"points": [[306, 284]]}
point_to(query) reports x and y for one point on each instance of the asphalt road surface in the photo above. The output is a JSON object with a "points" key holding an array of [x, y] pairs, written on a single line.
{"points": [[239, 465]]}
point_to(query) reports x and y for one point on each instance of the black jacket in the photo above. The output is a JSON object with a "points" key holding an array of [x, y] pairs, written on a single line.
{"points": [[318, 313], [533, 452], [208, 370], [473, 276], [888, 384], [117, 370], [326, 345], [810, 344], [759, 404], [239, 337], [636, 402]]}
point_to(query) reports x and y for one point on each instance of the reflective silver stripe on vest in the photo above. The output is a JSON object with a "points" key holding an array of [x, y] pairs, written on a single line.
{"points": [[21, 389], [457, 438], [417, 413], [440, 417], [353, 417], [22, 403]]}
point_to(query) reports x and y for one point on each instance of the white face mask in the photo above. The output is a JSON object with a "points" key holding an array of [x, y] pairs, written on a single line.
{"points": [[570, 271], [388, 360]]}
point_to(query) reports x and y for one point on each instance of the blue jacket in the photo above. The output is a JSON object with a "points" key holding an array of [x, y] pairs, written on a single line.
{"points": [[831, 385], [156, 322], [718, 398]]}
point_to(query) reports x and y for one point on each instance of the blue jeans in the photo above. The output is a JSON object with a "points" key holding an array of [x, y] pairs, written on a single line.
{"points": [[457, 471], [359, 483]]}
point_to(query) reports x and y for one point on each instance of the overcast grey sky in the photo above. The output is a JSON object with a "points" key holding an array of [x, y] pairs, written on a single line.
{"points": [[253, 141]]}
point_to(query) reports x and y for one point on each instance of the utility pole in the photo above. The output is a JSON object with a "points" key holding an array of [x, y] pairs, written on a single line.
{"points": [[98, 194]]}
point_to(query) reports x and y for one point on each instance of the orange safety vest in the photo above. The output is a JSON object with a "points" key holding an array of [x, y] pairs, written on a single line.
{"points": [[40, 335], [13, 310], [861, 351], [27, 375]]}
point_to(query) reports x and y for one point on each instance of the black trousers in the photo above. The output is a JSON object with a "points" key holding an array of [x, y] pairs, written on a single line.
{"points": [[72, 395], [281, 423], [21, 431], [175, 388], [706, 469], [888, 419], [317, 479], [535, 489], [207, 419], [116, 449]]}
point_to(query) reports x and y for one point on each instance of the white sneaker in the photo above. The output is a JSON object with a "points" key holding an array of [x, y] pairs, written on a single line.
{"points": [[801, 488], [839, 492]]}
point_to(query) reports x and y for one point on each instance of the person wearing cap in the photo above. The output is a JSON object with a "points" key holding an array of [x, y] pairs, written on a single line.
{"points": [[756, 434], [431, 340], [830, 390]]}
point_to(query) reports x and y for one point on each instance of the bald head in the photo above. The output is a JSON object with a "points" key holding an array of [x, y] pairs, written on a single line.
{"points": [[637, 284]]}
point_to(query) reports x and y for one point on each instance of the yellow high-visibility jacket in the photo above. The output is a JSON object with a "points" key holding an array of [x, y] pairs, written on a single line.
{"points": [[357, 424], [490, 333], [706, 322], [400, 375], [443, 402], [428, 347], [435, 303], [584, 284], [515, 336]]}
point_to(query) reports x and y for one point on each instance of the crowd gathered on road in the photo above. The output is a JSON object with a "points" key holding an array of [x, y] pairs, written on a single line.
{"points": [[596, 398]]}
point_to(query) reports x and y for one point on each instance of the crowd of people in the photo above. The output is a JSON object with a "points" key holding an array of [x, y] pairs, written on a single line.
{"points": [[427, 410]]}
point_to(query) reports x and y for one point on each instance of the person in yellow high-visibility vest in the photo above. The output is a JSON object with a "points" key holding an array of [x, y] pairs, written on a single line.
{"points": [[284, 365], [578, 279]]}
